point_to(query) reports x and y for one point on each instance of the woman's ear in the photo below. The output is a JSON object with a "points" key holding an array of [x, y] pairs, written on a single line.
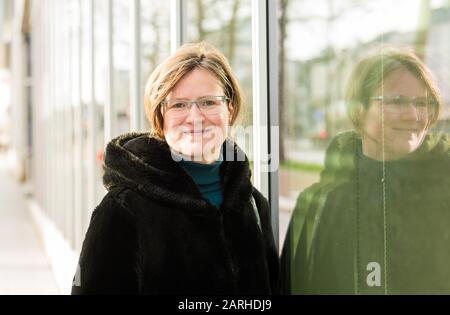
{"points": [[358, 115], [231, 113], [361, 111], [360, 118]]}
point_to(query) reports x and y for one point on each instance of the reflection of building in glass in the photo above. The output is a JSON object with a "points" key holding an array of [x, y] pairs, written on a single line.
{"points": [[324, 41], [229, 27], [316, 87], [438, 53]]}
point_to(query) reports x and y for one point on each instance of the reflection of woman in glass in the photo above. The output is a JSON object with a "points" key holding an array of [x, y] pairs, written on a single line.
{"points": [[378, 222], [181, 215]]}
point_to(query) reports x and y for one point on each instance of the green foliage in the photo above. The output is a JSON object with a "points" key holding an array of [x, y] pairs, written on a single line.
{"points": [[302, 166]]}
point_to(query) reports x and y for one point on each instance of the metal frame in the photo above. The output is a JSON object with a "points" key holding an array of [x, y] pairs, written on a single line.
{"points": [[48, 123], [265, 108], [69, 202], [178, 24], [109, 121], [273, 119], [79, 203], [136, 98], [260, 101], [93, 120]]}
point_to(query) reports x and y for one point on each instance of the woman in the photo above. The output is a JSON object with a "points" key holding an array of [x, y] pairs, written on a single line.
{"points": [[377, 222], [181, 215]]}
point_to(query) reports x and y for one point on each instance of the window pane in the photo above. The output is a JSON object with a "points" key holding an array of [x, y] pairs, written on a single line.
{"points": [[155, 38], [86, 101], [100, 85], [228, 26], [371, 222], [122, 53]]}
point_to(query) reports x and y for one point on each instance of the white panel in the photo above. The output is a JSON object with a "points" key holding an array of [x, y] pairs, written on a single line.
{"points": [[135, 73], [260, 101]]}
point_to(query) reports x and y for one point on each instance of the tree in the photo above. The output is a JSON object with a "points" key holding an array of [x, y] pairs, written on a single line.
{"points": [[224, 34], [200, 19], [232, 26], [282, 22], [422, 30]]}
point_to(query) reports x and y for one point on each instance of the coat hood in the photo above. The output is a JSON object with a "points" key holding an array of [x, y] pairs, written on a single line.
{"points": [[145, 164]]}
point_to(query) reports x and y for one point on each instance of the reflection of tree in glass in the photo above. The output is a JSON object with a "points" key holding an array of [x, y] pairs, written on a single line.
{"points": [[291, 12], [226, 25], [218, 24], [155, 34], [121, 20], [325, 71], [422, 29], [282, 22]]}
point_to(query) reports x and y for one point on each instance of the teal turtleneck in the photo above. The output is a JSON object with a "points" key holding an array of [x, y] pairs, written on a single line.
{"points": [[207, 178]]}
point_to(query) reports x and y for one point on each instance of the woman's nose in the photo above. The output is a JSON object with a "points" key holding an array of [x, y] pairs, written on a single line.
{"points": [[194, 113], [411, 112]]}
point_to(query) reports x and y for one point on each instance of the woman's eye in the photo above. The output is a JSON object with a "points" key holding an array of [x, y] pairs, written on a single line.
{"points": [[208, 103], [178, 105], [421, 103]]}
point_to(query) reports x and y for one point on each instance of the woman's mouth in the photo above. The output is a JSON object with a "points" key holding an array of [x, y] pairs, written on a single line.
{"points": [[410, 130], [197, 132]]}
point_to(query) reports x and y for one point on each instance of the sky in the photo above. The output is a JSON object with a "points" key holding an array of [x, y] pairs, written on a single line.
{"points": [[355, 25]]}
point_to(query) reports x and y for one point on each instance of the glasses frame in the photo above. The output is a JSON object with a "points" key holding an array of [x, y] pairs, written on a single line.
{"points": [[410, 100], [190, 103]]}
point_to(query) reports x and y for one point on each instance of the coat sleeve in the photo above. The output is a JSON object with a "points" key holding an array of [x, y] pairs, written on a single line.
{"points": [[295, 256], [271, 250], [107, 263]]}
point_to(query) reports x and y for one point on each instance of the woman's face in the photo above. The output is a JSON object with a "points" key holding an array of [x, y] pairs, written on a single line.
{"points": [[405, 122], [196, 134]]}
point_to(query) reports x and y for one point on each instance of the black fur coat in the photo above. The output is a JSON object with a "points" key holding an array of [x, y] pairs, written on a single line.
{"points": [[348, 230], [154, 233]]}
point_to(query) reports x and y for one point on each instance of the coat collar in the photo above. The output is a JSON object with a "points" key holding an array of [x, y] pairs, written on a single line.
{"points": [[145, 164], [345, 151]]}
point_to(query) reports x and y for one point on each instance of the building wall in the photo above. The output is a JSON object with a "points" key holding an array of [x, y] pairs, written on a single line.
{"points": [[79, 77]]}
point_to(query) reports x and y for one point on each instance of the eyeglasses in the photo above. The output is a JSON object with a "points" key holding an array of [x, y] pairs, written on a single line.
{"points": [[208, 105], [398, 102]]}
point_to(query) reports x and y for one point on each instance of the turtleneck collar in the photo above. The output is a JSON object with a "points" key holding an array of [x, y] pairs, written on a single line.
{"points": [[202, 173], [207, 178]]}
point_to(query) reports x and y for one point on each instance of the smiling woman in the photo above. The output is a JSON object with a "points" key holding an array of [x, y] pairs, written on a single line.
{"points": [[181, 215], [392, 102], [190, 130], [196, 72]]}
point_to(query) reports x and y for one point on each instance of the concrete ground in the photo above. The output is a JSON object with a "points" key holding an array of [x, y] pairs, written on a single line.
{"points": [[24, 267]]}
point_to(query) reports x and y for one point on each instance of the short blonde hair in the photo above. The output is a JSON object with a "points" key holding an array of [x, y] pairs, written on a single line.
{"points": [[369, 74], [187, 58]]}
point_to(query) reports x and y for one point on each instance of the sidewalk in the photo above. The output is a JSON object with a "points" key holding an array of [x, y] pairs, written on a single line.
{"points": [[24, 268]]}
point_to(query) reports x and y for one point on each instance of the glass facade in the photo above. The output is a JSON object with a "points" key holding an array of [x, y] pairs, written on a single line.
{"points": [[296, 61], [228, 26], [355, 222], [95, 67]]}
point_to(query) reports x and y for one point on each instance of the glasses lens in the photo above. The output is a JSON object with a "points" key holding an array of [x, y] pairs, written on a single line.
{"points": [[421, 102], [176, 108], [207, 105], [210, 104], [399, 102], [177, 105]]}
